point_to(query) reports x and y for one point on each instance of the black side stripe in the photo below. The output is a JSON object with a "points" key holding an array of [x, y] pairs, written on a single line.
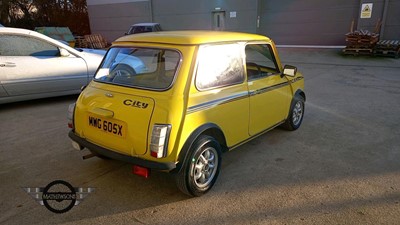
{"points": [[266, 89], [210, 104]]}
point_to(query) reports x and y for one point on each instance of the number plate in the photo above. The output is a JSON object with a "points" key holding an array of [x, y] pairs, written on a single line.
{"points": [[116, 128]]}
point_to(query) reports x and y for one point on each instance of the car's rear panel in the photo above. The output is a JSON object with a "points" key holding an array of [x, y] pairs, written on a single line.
{"points": [[114, 120]]}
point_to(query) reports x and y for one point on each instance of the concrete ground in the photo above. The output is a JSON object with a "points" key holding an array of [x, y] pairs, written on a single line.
{"points": [[341, 167]]}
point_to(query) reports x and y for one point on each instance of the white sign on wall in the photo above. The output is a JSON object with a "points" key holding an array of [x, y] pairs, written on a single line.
{"points": [[366, 10], [232, 14]]}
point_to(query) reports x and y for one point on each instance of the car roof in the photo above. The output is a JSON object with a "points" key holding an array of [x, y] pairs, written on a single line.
{"points": [[11, 30], [145, 24], [190, 37], [18, 31]]}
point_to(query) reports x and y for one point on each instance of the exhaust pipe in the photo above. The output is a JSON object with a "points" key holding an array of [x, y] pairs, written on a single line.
{"points": [[89, 156]]}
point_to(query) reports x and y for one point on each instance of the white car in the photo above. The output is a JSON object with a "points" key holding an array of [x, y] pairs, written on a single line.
{"points": [[34, 66], [144, 28]]}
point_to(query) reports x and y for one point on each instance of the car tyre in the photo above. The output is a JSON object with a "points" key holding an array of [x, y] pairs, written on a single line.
{"points": [[201, 168], [296, 114]]}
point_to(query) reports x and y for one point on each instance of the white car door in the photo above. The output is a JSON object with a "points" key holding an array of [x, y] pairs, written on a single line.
{"points": [[32, 66]]}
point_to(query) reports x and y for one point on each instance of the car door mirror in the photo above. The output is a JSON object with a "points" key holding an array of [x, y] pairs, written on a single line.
{"points": [[289, 70], [64, 52]]}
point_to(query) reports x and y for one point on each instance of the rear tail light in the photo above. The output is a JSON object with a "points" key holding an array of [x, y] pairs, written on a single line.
{"points": [[70, 115], [159, 140]]}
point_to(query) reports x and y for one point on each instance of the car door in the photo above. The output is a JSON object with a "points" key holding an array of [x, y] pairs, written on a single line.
{"points": [[269, 92], [34, 66], [220, 95], [3, 92]]}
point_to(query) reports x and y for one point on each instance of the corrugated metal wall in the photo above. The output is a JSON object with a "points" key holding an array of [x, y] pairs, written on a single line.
{"points": [[186, 15], [392, 26], [300, 22], [388, 12], [305, 22], [112, 19]]}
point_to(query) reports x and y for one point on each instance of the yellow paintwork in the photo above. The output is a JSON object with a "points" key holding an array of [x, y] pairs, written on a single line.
{"points": [[238, 119], [270, 107], [189, 37]]}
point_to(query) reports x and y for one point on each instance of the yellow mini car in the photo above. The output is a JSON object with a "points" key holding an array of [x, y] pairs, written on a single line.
{"points": [[174, 101]]}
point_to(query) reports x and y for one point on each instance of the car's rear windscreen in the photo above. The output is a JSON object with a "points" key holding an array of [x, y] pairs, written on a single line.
{"points": [[146, 68]]}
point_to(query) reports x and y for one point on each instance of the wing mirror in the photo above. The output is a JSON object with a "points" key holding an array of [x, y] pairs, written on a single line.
{"points": [[289, 70], [64, 52]]}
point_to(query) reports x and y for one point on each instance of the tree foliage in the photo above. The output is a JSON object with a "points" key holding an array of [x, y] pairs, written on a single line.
{"points": [[51, 13]]}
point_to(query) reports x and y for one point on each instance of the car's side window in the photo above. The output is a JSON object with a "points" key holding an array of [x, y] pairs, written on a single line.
{"points": [[260, 61], [219, 65], [15, 45]]}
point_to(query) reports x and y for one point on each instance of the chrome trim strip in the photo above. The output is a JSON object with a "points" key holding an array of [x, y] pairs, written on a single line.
{"points": [[210, 104], [296, 79]]}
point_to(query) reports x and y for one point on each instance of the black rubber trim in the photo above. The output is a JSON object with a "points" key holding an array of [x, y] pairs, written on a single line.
{"points": [[299, 92], [121, 157]]}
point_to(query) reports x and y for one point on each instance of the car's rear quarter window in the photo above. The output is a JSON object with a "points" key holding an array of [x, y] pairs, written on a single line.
{"points": [[219, 65]]}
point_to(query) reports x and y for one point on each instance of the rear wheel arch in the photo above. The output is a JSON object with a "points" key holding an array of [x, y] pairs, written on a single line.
{"points": [[218, 135], [209, 129]]}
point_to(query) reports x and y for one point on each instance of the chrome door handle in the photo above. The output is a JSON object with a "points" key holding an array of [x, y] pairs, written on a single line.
{"points": [[7, 64]]}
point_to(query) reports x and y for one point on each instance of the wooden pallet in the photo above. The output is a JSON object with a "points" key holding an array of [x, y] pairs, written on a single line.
{"points": [[360, 46], [81, 42], [362, 36], [359, 40], [389, 48], [96, 41], [389, 43], [357, 51], [387, 53], [362, 40]]}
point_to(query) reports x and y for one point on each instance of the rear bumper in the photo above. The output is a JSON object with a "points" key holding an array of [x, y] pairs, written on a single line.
{"points": [[121, 157]]}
